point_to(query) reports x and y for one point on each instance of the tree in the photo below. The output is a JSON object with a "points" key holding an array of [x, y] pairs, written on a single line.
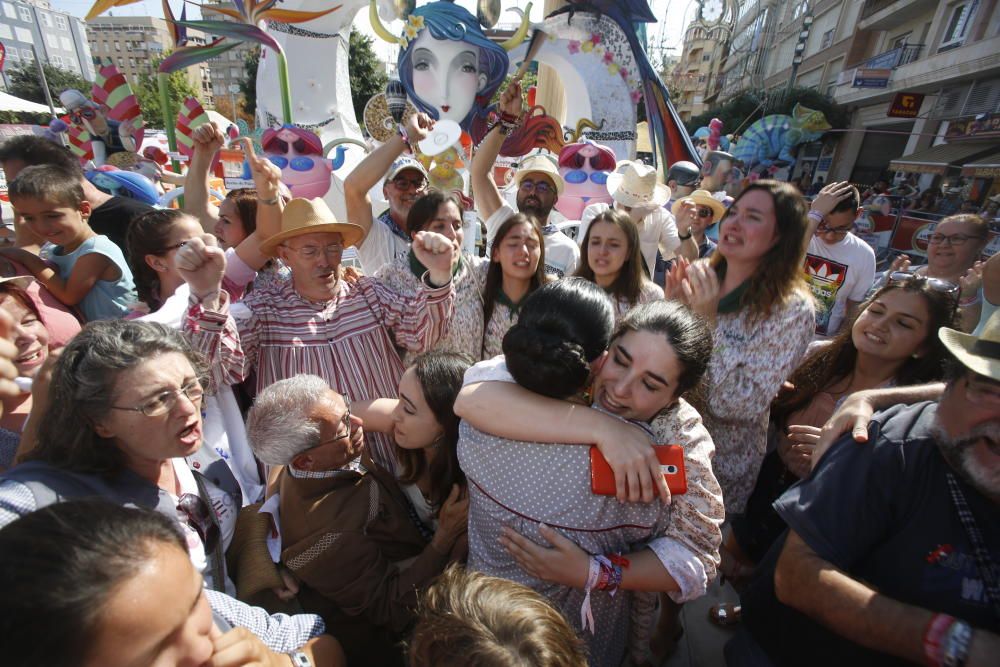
{"points": [[26, 84], [739, 112], [147, 92], [248, 87], [368, 77]]}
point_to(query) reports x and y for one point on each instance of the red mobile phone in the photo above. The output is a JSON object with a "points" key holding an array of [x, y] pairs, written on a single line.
{"points": [[671, 457]]}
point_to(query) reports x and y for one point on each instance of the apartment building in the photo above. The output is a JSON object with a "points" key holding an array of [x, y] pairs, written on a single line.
{"points": [[58, 38], [940, 58], [228, 69], [696, 76], [132, 42]]}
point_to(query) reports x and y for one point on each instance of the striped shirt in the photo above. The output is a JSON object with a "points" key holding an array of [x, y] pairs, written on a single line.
{"points": [[348, 341]]}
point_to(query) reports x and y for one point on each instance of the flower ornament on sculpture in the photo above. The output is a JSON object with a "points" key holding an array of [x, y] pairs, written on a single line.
{"points": [[414, 24], [616, 59]]}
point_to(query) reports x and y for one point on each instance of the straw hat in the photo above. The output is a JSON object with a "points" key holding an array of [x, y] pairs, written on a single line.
{"points": [[980, 355], [635, 184], [540, 164], [309, 216], [701, 198]]}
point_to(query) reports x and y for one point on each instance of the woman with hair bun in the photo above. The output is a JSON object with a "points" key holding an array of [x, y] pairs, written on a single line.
{"points": [[519, 486]]}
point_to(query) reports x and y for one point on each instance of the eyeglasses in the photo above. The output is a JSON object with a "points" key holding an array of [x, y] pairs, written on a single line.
{"points": [[405, 184], [982, 392], [199, 517], [823, 228], [950, 239], [79, 114], [577, 176], [282, 146], [540, 187], [313, 251], [705, 213], [300, 163], [346, 422], [165, 401], [597, 162]]}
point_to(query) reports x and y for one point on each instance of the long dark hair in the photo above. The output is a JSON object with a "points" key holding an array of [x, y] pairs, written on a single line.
{"points": [[686, 333], [494, 274], [836, 361], [629, 281], [426, 207], [563, 327], [440, 375], [779, 272], [61, 564], [82, 388], [149, 234]]}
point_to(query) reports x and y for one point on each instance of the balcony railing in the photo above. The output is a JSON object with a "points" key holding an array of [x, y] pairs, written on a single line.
{"points": [[901, 55], [874, 7]]}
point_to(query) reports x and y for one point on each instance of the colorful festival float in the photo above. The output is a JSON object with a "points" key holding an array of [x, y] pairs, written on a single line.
{"points": [[447, 67]]}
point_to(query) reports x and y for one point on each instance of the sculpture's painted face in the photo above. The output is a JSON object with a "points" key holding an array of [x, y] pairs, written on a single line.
{"points": [[585, 184], [446, 75], [305, 173]]}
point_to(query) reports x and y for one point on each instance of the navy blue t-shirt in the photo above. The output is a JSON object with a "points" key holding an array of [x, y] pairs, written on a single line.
{"points": [[883, 514]]}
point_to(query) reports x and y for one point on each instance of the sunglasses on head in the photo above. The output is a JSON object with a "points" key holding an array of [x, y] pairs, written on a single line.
{"points": [[199, 517], [904, 279]]}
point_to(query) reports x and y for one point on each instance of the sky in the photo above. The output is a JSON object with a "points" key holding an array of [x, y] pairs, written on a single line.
{"points": [[665, 34]]}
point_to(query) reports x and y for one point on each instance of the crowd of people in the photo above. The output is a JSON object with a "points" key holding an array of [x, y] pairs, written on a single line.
{"points": [[222, 446]]}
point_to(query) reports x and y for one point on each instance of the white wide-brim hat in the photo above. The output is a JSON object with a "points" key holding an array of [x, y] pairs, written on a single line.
{"points": [[979, 354], [635, 184]]}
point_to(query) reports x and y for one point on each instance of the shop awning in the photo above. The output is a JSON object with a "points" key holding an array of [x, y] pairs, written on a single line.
{"points": [[984, 167], [937, 159]]}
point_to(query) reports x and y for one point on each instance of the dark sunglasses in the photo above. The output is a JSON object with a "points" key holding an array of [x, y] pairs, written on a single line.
{"points": [[597, 162], [79, 114], [705, 213], [904, 279], [281, 146], [199, 517]]}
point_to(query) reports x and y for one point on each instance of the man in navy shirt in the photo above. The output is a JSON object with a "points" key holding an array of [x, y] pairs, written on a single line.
{"points": [[893, 550]]}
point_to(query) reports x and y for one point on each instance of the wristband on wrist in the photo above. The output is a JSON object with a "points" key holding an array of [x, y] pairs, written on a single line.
{"points": [[815, 215], [955, 647], [273, 201], [934, 636], [684, 237], [406, 139], [426, 280]]}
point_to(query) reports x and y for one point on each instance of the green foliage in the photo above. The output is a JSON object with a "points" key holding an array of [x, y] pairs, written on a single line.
{"points": [[248, 87], [24, 118], [147, 92], [26, 84], [529, 79], [739, 112], [367, 74]]}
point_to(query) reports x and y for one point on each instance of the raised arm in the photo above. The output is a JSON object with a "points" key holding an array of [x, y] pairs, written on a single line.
{"points": [[376, 414], [207, 140], [484, 190], [267, 183], [828, 198], [374, 167]]}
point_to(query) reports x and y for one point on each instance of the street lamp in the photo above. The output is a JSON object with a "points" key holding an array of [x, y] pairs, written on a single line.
{"points": [[233, 89]]}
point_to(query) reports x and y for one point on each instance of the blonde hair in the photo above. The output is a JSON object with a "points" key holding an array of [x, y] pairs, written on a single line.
{"points": [[475, 620]]}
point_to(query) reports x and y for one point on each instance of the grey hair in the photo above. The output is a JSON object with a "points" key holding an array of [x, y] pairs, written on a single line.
{"points": [[83, 387], [279, 426]]}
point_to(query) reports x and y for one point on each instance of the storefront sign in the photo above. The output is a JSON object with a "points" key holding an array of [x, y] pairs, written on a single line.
{"points": [[974, 128], [871, 78], [981, 171], [905, 105]]}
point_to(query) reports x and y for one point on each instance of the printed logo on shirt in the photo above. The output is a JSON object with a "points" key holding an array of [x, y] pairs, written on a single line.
{"points": [[950, 571], [825, 278]]}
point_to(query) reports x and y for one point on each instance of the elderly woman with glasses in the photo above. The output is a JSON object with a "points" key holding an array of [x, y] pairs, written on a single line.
{"points": [[358, 542], [123, 412], [953, 250]]}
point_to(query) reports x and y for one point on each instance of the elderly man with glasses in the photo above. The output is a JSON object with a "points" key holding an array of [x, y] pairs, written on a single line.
{"points": [[538, 188], [347, 535], [840, 267], [386, 236], [319, 322]]}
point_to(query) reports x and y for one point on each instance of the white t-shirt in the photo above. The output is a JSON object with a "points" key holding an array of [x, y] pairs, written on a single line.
{"points": [[657, 231], [380, 247], [838, 273], [562, 255]]}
